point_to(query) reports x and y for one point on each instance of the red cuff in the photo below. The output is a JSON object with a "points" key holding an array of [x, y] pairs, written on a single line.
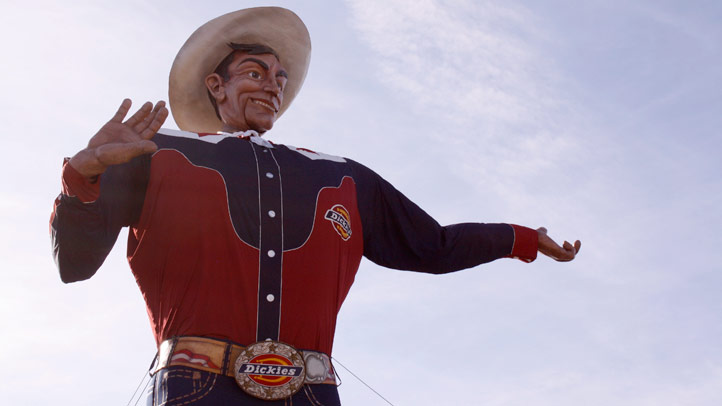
{"points": [[526, 243], [75, 184]]}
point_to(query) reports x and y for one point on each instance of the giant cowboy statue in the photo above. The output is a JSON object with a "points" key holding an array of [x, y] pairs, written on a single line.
{"points": [[244, 249]]}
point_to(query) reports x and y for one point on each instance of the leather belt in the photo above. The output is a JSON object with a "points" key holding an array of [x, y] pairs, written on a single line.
{"points": [[219, 357]]}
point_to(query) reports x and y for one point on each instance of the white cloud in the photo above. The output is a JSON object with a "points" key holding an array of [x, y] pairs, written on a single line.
{"points": [[477, 72], [471, 60]]}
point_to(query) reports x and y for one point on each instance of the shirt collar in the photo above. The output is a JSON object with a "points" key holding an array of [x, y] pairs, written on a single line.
{"points": [[250, 134]]}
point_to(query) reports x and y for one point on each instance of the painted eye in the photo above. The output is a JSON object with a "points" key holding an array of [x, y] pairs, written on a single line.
{"points": [[254, 75]]}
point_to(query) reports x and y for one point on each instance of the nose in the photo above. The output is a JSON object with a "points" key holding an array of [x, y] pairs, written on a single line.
{"points": [[272, 86]]}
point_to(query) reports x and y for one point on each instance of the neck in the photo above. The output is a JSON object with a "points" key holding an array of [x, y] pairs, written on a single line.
{"points": [[227, 128]]}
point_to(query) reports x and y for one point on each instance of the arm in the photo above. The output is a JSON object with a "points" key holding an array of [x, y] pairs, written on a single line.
{"points": [[87, 217], [398, 234], [91, 209]]}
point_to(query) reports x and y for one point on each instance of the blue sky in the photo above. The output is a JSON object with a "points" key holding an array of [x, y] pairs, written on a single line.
{"points": [[599, 120]]}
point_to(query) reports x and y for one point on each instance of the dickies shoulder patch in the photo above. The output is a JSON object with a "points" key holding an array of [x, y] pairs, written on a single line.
{"points": [[340, 220]]}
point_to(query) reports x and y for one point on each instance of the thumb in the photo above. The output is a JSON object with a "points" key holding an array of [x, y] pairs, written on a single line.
{"points": [[119, 153]]}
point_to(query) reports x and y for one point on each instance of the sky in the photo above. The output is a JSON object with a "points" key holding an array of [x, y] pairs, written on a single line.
{"points": [[599, 120]]}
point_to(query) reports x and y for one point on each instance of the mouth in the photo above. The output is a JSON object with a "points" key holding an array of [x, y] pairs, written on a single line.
{"points": [[265, 104]]}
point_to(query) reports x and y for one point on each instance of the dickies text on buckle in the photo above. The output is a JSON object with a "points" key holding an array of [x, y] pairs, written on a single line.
{"points": [[270, 370]]}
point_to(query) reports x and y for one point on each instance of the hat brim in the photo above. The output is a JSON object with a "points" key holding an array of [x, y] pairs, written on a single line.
{"points": [[275, 27]]}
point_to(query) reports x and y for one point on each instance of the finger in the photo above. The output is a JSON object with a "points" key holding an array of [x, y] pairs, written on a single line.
{"points": [[155, 125], [142, 125], [562, 253], [542, 230], [569, 251], [139, 115], [118, 153], [122, 111]]}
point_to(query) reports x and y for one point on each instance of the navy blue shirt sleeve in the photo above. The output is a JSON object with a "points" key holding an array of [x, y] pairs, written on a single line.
{"points": [[399, 234], [82, 234]]}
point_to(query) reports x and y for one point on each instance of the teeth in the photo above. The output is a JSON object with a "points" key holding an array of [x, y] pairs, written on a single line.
{"points": [[266, 105]]}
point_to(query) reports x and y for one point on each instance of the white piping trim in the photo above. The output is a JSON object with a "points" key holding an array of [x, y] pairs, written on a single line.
{"points": [[260, 240], [316, 155], [513, 243], [280, 289]]}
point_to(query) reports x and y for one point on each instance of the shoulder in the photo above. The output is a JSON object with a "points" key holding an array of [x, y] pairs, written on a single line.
{"points": [[314, 155]]}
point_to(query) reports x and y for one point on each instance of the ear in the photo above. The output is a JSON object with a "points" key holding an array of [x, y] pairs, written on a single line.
{"points": [[214, 83]]}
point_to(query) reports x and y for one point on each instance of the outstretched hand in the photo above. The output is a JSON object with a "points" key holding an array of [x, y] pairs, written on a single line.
{"points": [[548, 247], [118, 142]]}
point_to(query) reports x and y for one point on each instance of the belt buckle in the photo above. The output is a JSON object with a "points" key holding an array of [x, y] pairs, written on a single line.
{"points": [[270, 370]]}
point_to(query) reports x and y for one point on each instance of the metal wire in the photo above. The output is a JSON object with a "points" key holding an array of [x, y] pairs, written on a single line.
{"points": [[361, 380], [141, 392], [141, 382]]}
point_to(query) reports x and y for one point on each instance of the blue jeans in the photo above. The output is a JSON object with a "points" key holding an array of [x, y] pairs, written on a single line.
{"points": [[177, 385]]}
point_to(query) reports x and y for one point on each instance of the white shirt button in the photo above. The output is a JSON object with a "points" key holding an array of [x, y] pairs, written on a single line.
{"points": [[271, 253], [271, 214], [269, 175], [270, 298]]}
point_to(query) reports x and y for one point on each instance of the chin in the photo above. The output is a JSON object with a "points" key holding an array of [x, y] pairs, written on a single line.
{"points": [[261, 127]]}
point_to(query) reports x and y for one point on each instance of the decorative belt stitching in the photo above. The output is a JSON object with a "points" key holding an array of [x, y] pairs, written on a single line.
{"points": [[219, 357]]}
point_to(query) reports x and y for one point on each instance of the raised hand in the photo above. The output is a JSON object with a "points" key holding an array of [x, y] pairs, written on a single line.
{"points": [[118, 142], [548, 247]]}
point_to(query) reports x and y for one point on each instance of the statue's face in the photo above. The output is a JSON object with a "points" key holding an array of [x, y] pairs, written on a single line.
{"points": [[252, 95]]}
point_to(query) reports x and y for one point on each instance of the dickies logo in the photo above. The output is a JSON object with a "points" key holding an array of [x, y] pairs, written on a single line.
{"points": [[341, 221], [271, 370]]}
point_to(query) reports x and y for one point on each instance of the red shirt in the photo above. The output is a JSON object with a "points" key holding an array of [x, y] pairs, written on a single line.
{"points": [[236, 238]]}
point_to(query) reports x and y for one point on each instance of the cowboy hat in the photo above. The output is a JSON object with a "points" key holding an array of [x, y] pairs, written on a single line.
{"points": [[274, 27]]}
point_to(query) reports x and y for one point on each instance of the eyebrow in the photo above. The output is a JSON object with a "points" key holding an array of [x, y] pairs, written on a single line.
{"points": [[258, 61], [264, 66]]}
